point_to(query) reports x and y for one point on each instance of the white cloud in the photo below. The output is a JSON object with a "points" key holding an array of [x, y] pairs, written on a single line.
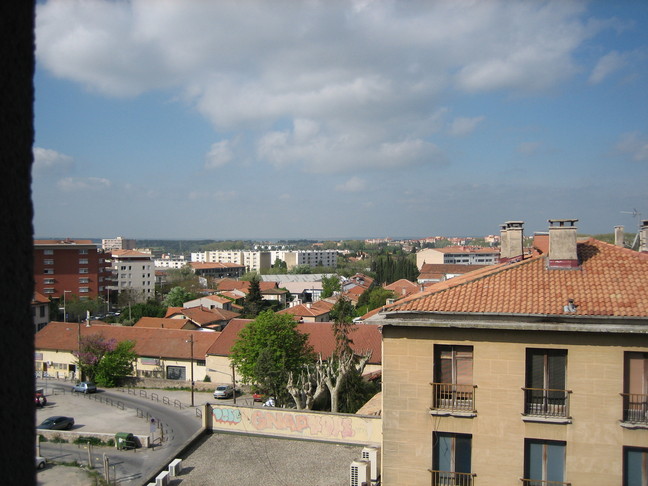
{"points": [[463, 126], [359, 82], [355, 184], [219, 155], [69, 184], [48, 161], [635, 145], [607, 65], [528, 148]]}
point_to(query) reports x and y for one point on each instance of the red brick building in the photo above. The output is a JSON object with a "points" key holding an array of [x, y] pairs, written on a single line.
{"points": [[70, 267]]}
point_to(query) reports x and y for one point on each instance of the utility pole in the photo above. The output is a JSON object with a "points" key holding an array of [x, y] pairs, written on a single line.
{"points": [[191, 343]]}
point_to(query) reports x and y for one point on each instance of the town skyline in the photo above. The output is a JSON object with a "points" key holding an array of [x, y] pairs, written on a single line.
{"points": [[338, 120]]}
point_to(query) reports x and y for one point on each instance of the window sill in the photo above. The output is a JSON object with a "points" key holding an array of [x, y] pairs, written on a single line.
{"points": [[634, 425], [452, 413], [547, 420]]}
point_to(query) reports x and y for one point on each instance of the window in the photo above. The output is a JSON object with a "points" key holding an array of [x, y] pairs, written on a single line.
{"points": [[84, 280], [48, 252], [83, 270], [83, 261], [84, 290], [123, 267], [635, 388], [42, 311], [48, 271], [453, 387], [48, 291], [635, 466], [48, 261], [545, 393], [544, 460], [451, 459], [48, 281], [83, 252], [176, 373]]}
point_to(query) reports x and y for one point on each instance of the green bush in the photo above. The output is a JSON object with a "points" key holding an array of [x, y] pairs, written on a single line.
{"points": [[207, 379], [57, 439], [89, 440]]}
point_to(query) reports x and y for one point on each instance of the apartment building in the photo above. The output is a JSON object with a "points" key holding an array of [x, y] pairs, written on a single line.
{"points": [[118, 243], [530, 372], [253, 261], [69, 267], [460, 255], [134, 272], [312, 258]]}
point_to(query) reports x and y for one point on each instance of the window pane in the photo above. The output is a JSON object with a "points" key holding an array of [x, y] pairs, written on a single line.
{"points": [[556, 368], [443, 452], [555, 462], [462, 454], [634, 467], [534, 460]]}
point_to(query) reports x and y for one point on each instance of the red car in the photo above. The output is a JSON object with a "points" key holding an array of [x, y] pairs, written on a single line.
{"points": [[40, 399], [259, 397]]}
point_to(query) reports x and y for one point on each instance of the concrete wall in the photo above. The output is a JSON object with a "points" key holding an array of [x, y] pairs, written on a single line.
{"points": [[295, 424], [594, 438]]}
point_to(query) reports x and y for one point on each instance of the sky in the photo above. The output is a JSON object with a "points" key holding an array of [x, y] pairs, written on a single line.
{"points": [[338, 119]]}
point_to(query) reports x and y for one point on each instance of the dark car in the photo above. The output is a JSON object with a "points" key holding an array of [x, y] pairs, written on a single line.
{"points": [[58, 422], [85, 387]]}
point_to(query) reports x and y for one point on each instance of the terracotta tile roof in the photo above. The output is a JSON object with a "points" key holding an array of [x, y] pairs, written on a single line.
{"points": [[202, 315], [228, 284], [320, 336], [173, 311], [402, 288], [130, 254], [303, 310], [152, 342], [39, 299], [218, 298], [163, 323], [611, 281], [444, 268]]}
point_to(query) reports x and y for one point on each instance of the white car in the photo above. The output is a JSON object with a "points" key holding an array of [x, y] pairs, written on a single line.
{"points": [[224, 391], [40, 462]]}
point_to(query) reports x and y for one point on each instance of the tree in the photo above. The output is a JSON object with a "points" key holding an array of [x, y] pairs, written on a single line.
{"points": [[330, 285], [373, 298], [253, 303], [150, 308], [178, 296], [77, 309], [268, 349], [116, 364]]}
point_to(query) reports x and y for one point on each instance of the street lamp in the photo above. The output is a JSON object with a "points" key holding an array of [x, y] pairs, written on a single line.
{"points": [[64, 311], [191, 343]]}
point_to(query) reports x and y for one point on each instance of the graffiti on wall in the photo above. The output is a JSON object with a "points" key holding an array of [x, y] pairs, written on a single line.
{"points": [[325, 426], [227, 415]]}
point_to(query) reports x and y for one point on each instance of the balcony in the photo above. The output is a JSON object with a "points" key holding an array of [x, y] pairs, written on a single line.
{"points": [[635, 408], [541, 482], [544, 403], [448, 478], [453, 399]]}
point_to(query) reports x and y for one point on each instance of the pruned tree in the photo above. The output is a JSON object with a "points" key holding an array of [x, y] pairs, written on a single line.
{"points": [[338, 369], [308, 387]]}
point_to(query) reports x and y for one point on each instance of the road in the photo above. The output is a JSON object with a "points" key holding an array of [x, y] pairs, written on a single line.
{"points": [[93, 414]]}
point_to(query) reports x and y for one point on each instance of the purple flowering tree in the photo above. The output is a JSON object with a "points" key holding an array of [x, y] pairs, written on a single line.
{"points": [[92, 350]]}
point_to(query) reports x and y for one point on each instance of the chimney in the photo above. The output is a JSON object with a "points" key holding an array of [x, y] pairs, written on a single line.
{"points": [[512, 246], [619, 236], [562, 243], [643, 236]]}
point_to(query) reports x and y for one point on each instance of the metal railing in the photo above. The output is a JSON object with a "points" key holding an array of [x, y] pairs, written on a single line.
{"points": [[449, 478], [542, 482], [452, 397], [546, 402], [635, 408]]}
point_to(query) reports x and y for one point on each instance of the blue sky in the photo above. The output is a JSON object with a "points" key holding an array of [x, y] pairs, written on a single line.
{"points": [[333, 119]]}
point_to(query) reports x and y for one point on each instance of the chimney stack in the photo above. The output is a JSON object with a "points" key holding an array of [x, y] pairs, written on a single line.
{"points": [[643, 236], [562, 243], [512, 243], [619, 236]]}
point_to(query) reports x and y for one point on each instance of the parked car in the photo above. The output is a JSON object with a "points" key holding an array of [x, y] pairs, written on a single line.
{"points": [[40, 398], [58, 422], [224, 391], [40, 462], [259, 396], [85, 387]]}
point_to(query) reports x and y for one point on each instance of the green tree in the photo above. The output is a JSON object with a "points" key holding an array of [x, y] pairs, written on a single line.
{"points": [[330, 285], [268, 349], [373, 298], [77, 309], [178, 296], [92, 350], [253, 303], [116, 364], [150, 308]]}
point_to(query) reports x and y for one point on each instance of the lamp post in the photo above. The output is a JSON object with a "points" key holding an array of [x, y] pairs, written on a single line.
{"points": [[65, 311], [191, 343]]}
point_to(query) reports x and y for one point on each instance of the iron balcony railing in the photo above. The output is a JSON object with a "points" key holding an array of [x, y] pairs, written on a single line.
{"points": [[453, 398], [449, 478], [635, 408], [546, 402], [541, 482]]}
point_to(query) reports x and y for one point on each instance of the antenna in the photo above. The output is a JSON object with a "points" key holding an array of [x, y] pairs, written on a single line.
{"points": [[635, 214]]}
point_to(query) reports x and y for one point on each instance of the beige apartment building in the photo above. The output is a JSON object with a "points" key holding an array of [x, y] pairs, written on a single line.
{"points": [[531, 373]]}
